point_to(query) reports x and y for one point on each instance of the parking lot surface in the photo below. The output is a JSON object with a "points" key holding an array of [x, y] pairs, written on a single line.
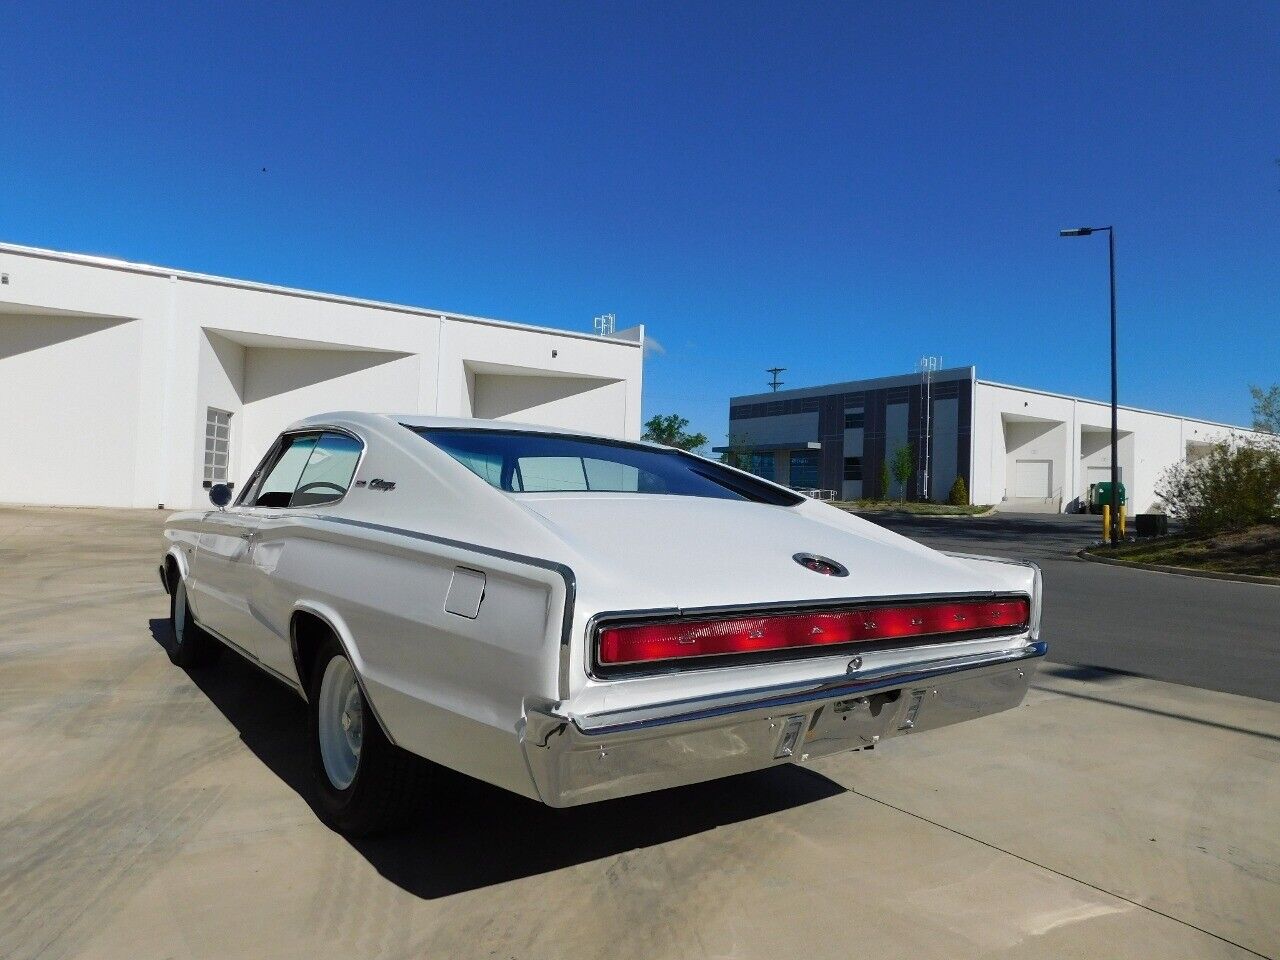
{"points": [[149, 812]]}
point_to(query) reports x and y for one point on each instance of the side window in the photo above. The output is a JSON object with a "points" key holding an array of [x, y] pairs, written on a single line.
{"points": [[328, 472], [281, 479], [554, 474], [486, 466]]}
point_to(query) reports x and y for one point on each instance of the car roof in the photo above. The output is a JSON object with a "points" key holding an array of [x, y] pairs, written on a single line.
{"points": [[458, 423]]}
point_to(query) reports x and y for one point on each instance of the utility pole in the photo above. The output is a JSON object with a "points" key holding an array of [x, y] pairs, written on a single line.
{"points": [[775, 383]]}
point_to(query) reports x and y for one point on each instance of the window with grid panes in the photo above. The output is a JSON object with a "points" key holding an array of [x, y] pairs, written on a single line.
{"points": [[217, 446]]}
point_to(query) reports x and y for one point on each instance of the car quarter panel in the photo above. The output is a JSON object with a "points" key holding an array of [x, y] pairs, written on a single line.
{"points": [[446, 686]]}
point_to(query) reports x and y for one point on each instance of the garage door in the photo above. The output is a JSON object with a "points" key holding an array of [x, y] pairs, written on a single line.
{"points": [[1033, 479], [1102, 475]]}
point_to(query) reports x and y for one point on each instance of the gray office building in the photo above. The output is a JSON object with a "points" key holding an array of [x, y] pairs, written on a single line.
{"points": [[836, 437]]}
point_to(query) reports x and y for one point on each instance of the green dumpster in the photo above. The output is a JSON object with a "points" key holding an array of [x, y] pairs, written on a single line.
{"points": [[1100, 495]]}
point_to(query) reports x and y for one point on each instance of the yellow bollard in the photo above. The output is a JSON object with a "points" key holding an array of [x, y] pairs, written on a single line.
{"points": [[1122, 521], [1106, 523]]}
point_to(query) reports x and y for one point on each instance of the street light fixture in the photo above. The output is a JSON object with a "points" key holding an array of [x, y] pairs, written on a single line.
{"points": [[1114, 532]]}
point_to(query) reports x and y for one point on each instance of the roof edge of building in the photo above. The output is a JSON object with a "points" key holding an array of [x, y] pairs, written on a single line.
{"points": [[131, 266], [1107, 403], [868, 383]]}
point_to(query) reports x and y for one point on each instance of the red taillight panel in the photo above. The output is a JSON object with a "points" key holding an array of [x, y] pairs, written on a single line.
{"points": [[646, 643]]}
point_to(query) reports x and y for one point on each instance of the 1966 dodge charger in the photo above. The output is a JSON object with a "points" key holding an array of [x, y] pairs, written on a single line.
{"points": [[576, 618]]}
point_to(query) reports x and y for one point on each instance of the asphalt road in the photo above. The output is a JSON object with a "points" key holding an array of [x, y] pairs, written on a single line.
{"points": [[1214, 634]]}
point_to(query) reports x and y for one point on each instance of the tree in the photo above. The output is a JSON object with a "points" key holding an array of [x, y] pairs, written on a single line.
{"points": [[1235, 485], [669, 431], [904, 466], [959, 495], [1266, 408], [884, 479]]}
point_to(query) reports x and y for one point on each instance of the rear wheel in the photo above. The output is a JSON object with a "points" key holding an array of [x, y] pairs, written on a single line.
{"points": [[364, 783], [189, 646]]}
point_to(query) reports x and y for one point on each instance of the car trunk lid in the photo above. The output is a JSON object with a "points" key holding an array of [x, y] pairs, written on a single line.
{"points": [[645, 552]]}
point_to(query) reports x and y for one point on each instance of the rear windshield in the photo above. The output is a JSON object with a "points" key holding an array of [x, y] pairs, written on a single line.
{"points": [[522, 462]]}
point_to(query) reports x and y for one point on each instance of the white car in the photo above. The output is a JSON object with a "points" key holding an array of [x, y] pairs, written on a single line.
{"points": [[576, 618]]}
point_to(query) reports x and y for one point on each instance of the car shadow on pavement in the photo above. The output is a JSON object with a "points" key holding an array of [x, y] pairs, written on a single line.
{"points": [[1105, 680], [477, 835]]}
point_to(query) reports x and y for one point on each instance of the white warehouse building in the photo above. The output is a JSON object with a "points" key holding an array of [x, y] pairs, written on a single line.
{"points": [[128, 385], [1017, 447]]}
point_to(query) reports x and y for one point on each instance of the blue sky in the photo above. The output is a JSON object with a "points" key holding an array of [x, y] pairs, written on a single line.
{"points": [[833, 188]]}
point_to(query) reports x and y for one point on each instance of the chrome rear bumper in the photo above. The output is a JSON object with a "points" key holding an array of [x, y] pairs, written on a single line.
{"points": [[582, 759]]}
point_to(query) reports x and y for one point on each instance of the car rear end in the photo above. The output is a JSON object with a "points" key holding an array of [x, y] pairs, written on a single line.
{"points": [[716, 623], [679, 697]]}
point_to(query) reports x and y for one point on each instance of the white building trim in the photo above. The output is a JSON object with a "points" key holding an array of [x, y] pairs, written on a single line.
{"points": [[108, 369]]}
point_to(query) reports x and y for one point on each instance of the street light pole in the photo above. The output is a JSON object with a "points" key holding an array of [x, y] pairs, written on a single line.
{"points": [[1114, 532]]}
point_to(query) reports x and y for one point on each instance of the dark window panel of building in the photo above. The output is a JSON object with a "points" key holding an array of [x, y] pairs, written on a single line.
{"points": [[805, 466]]}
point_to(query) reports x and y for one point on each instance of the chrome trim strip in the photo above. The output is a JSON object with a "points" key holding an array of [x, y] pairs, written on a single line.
{"points": [[565, 572], [270, 672], [683, 711]]}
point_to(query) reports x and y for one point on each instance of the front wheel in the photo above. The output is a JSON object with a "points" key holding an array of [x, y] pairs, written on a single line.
{"points": [[189, 646], [364, 783]]}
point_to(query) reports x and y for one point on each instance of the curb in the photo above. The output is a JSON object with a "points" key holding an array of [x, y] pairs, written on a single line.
{"points": [[1084, 554], [956, 516], [925, 516]]}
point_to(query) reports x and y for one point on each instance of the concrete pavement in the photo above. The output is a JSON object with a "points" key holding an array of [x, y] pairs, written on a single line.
{"points": [[152, 813]]}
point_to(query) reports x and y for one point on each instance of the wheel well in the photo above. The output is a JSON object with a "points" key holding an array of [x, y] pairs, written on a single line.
{"points": [[307, 632], [171, 572]]}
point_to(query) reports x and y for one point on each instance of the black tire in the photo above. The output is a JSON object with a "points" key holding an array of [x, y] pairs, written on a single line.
{"points": [[189, 646], [389, 784]]}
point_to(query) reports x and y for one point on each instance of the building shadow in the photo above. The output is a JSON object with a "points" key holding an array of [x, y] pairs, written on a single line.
{"points": [[474, 835]]}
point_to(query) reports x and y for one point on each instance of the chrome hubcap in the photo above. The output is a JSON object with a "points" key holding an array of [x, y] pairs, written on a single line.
{"points": [[341, 714]]}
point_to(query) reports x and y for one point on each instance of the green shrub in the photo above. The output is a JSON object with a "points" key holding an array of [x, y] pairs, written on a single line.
{"points": [[959, 495], [904, 468], [1236, 485]]}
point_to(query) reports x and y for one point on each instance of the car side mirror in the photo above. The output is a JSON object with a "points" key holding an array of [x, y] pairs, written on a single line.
{"points": [[220, 495]]}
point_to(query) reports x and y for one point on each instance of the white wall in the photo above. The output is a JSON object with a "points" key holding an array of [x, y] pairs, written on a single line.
{"points": [[1150, 442], [69, 397], [284, 385], [468, 350], [580, 403], [1095, 457], [1037, 440], [125, 359], [220, 380]]}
